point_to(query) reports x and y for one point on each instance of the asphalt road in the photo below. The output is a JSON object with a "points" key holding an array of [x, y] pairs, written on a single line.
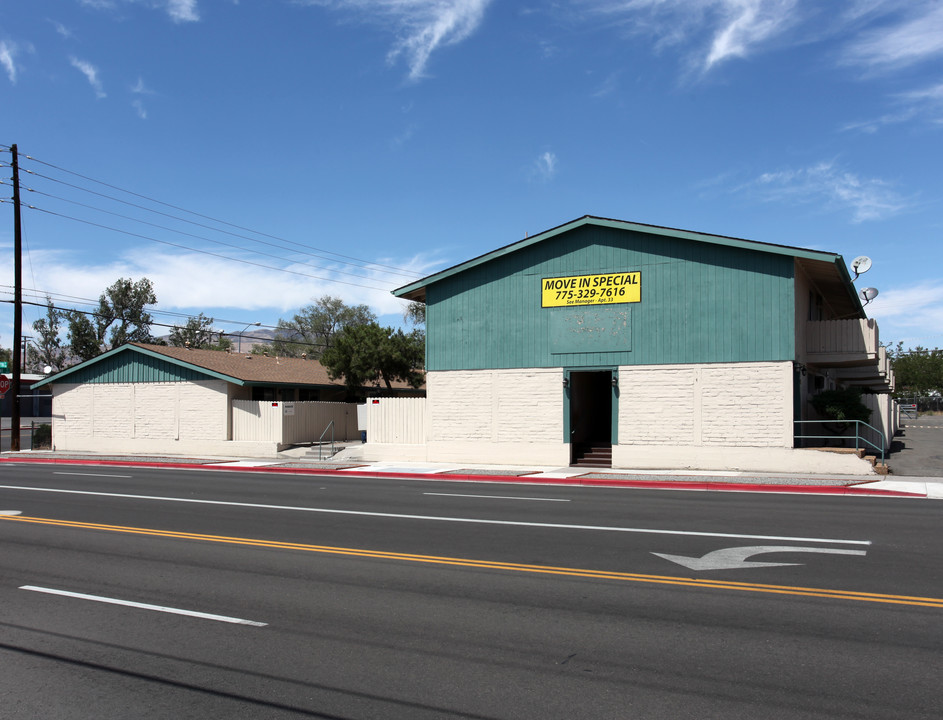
{"points": [[379, 598]]}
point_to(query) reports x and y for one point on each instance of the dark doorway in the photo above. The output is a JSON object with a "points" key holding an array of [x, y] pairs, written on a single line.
{"points": [[591, 418]]}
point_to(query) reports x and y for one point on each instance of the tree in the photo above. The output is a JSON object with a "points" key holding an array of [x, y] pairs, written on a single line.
{"points": [[199, 333], [48, 351], [315, 326], [415, 313], [83, 337], [370, 354], [121, 309], [917, 372], [120, 318], [6, 355]]}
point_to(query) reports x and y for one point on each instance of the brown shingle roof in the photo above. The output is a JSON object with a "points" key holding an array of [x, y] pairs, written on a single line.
{"points": [[253, 368]]}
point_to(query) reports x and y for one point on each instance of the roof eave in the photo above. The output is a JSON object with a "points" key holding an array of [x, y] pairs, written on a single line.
{"points": [[143, 351], [417, 290]]}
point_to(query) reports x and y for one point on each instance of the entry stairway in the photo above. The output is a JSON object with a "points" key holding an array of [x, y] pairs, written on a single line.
{"points": [[592, 455]]}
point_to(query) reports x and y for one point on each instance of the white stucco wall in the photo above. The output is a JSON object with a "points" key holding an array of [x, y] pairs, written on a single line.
{"points": [[723, 404], [719, 416], [191, 417], [489, 416], [726, 416]]}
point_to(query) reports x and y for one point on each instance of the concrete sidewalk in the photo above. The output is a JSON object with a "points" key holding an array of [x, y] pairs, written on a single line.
{"points": [[338, 466]]}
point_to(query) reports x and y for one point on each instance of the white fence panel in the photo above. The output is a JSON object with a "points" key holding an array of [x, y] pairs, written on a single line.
{"points": [[400, 421], [254, 420], [292, 423], [307, 421]]}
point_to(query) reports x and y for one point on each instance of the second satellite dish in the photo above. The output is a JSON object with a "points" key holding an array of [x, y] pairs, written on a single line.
{"points": [[868, 294]]}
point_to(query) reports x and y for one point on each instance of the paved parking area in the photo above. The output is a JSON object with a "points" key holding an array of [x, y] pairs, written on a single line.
{"points": [[918, 450]]}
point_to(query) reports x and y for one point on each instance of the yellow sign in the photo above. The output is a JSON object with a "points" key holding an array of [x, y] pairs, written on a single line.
{"points": [[624, 287]]}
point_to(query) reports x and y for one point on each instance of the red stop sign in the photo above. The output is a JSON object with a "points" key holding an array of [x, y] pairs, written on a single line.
{"points": [[4, 384]]}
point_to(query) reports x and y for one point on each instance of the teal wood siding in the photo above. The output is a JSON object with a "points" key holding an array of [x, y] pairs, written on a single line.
{"points": [[700, 302], [131, 367]]}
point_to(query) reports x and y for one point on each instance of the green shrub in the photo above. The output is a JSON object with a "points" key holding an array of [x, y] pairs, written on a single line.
{"points": [[843, 405], [42, 436]]}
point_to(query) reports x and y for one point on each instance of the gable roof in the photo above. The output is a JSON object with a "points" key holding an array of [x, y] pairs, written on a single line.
{"points": [[825, 268], [236, 368]]}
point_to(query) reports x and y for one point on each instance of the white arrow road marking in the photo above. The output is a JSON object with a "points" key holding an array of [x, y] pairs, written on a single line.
{"points": [[735, 558]]}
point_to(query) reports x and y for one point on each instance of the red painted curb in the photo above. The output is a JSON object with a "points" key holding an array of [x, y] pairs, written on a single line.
{"points": [[705, 486]]}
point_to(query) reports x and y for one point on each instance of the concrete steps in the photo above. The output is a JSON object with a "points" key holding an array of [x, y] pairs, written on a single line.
{"points": [[880, 468], [596, 455]]}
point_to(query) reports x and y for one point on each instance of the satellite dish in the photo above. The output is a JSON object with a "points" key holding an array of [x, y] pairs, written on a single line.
{"points": [[868, 294], [861, 264], [47, 369]]}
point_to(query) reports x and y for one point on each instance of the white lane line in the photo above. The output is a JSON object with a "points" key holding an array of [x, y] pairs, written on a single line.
{"points": [[143, 606], [498, 497], [92, 475], [10, 512], [478, 521]]}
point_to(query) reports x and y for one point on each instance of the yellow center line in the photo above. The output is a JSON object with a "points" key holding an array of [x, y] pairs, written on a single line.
{"points": [[496, 565]]}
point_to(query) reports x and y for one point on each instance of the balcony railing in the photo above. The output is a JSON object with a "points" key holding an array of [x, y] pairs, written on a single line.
{"points": [[842, 342]]}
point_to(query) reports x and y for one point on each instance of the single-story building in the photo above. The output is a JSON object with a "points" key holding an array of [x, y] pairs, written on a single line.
{"points": [[163, 399], [612, 342]]}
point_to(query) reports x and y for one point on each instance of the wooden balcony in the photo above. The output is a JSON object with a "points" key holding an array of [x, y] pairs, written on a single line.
{"points": [[842, 343]]}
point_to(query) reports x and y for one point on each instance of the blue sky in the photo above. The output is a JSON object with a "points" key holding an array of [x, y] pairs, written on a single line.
{"points": [[281, 150]]}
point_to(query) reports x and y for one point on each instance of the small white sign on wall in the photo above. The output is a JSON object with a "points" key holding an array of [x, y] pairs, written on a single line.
{"points": [[289, 408]]}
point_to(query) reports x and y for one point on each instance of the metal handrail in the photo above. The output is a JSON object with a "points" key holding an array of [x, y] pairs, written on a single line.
{"points": [[859, 436], [330, 427]]}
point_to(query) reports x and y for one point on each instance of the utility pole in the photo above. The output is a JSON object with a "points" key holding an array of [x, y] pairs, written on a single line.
{"points": [[17, 306]]}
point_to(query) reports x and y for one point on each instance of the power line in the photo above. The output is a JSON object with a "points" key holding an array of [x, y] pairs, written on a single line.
{"points": [[33, 292], [204, 252], [165, 325], [216, 220], [363, 264], [197, 237]]}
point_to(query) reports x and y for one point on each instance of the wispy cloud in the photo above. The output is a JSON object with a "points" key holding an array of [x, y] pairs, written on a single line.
{"points": [[98, 4], [183, 10], [61, 29], [831, 187], [545, 166], [925, 104], [915, 38], [179, 10], [745, 25], [719, 29], [7, 54], [906, 313], [422, 26], [607, 86], [91, 74], [139, 88], [221, 283], [403, 138]]}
